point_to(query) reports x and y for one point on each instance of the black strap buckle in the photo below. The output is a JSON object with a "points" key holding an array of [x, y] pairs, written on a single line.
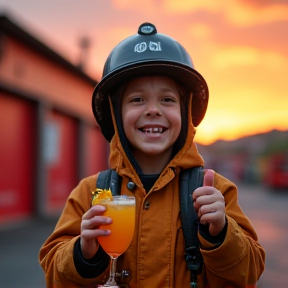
{"points": [[194, 259]]}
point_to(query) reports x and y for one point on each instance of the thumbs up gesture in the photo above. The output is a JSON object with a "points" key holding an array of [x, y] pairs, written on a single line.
{"points": [[210, 204]]}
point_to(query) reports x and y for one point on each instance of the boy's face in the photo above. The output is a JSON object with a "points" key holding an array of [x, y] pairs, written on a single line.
{"points": [[151, 115]]}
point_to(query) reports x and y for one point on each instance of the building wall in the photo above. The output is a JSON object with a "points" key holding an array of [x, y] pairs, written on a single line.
{"points": [[29, 71], [49, 139]]}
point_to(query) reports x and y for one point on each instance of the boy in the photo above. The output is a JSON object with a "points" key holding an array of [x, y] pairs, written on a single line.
{"points": [[148, 104]]}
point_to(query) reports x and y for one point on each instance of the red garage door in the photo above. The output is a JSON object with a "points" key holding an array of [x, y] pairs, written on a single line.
{"points": [[17, 157], [60, 154], [96, 150]]}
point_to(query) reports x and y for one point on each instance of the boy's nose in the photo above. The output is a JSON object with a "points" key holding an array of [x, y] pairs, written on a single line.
{"points": [[153, 109]]}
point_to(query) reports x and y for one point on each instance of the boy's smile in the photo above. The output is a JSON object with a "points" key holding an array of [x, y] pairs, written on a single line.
{"points": [[151, 116], [152, 129]]}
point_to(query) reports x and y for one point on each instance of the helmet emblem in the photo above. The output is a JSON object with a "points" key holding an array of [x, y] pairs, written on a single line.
{"points": [[153, 46], [140, 47]]}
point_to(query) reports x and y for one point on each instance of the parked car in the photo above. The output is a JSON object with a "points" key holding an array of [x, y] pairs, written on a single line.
{"points": [[276, 175]]}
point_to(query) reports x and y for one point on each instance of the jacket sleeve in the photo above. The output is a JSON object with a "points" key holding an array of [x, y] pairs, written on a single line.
{"points": [[240, 260], [60, 256]]}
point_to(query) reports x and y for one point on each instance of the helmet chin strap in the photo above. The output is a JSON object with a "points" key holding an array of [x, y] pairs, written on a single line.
{"points": [[115, 105]]}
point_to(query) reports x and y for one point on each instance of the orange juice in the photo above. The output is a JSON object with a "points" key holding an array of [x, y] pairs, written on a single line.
{"points": [[122, 212]]}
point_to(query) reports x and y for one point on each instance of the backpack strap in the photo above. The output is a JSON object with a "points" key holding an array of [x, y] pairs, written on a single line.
{"points": [[191, 179], [109, 179]]}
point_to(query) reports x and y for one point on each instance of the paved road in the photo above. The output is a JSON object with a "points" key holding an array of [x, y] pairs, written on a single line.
{"points": [[19, 249], [268, 213]]}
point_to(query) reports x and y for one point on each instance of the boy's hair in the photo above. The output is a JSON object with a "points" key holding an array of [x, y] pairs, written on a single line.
{"points": [[145, 53]]}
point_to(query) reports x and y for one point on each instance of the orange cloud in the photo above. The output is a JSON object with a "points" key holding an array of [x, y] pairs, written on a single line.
{"points": [[244, 15], [187, 6], [231, 56], [200, 31], [238, 13]]}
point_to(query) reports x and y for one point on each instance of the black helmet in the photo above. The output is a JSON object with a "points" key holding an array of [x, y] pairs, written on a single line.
{"points": [[147, 52]]}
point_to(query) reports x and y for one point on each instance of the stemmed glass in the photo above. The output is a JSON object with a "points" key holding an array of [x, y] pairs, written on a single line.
{"points": [[121, 209]]}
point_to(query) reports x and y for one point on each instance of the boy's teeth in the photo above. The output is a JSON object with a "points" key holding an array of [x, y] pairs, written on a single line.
{"points": [[153, 130], [159, 130]]}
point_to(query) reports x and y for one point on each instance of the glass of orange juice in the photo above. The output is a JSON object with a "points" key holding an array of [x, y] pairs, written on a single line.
{"points": [[121, 209]]}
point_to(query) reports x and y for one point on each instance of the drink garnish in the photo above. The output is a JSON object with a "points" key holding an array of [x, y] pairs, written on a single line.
{"points": [[101, 196]]}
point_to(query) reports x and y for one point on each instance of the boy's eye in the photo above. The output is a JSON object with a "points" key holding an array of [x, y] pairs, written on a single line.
{"points": [[136, 99], [168, 99]]}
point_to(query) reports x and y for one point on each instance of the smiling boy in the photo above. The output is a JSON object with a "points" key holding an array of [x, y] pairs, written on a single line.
{"points": [[148, 103], [151, 117]]}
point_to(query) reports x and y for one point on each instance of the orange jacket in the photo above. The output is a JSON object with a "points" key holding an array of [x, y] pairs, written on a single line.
{"points": [[155, 257]]}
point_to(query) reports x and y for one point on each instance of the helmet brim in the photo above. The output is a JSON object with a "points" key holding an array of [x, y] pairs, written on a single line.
{"points": [[192, 79]]}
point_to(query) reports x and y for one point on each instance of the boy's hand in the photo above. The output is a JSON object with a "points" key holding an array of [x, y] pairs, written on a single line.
{"points": [[89, 230], [210, 205]]}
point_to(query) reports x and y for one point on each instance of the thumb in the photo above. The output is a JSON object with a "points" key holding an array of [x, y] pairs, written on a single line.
{"points": [[208, 178]]}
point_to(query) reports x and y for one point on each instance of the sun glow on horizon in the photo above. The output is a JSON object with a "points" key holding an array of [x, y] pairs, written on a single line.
{"points": [[216, 128]]}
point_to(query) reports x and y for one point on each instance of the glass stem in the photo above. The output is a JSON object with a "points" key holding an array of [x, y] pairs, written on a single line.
{"points": [[111, 280]]}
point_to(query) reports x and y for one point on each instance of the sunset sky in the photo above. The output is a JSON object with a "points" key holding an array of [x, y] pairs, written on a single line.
{"points": [[239, 46]]}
